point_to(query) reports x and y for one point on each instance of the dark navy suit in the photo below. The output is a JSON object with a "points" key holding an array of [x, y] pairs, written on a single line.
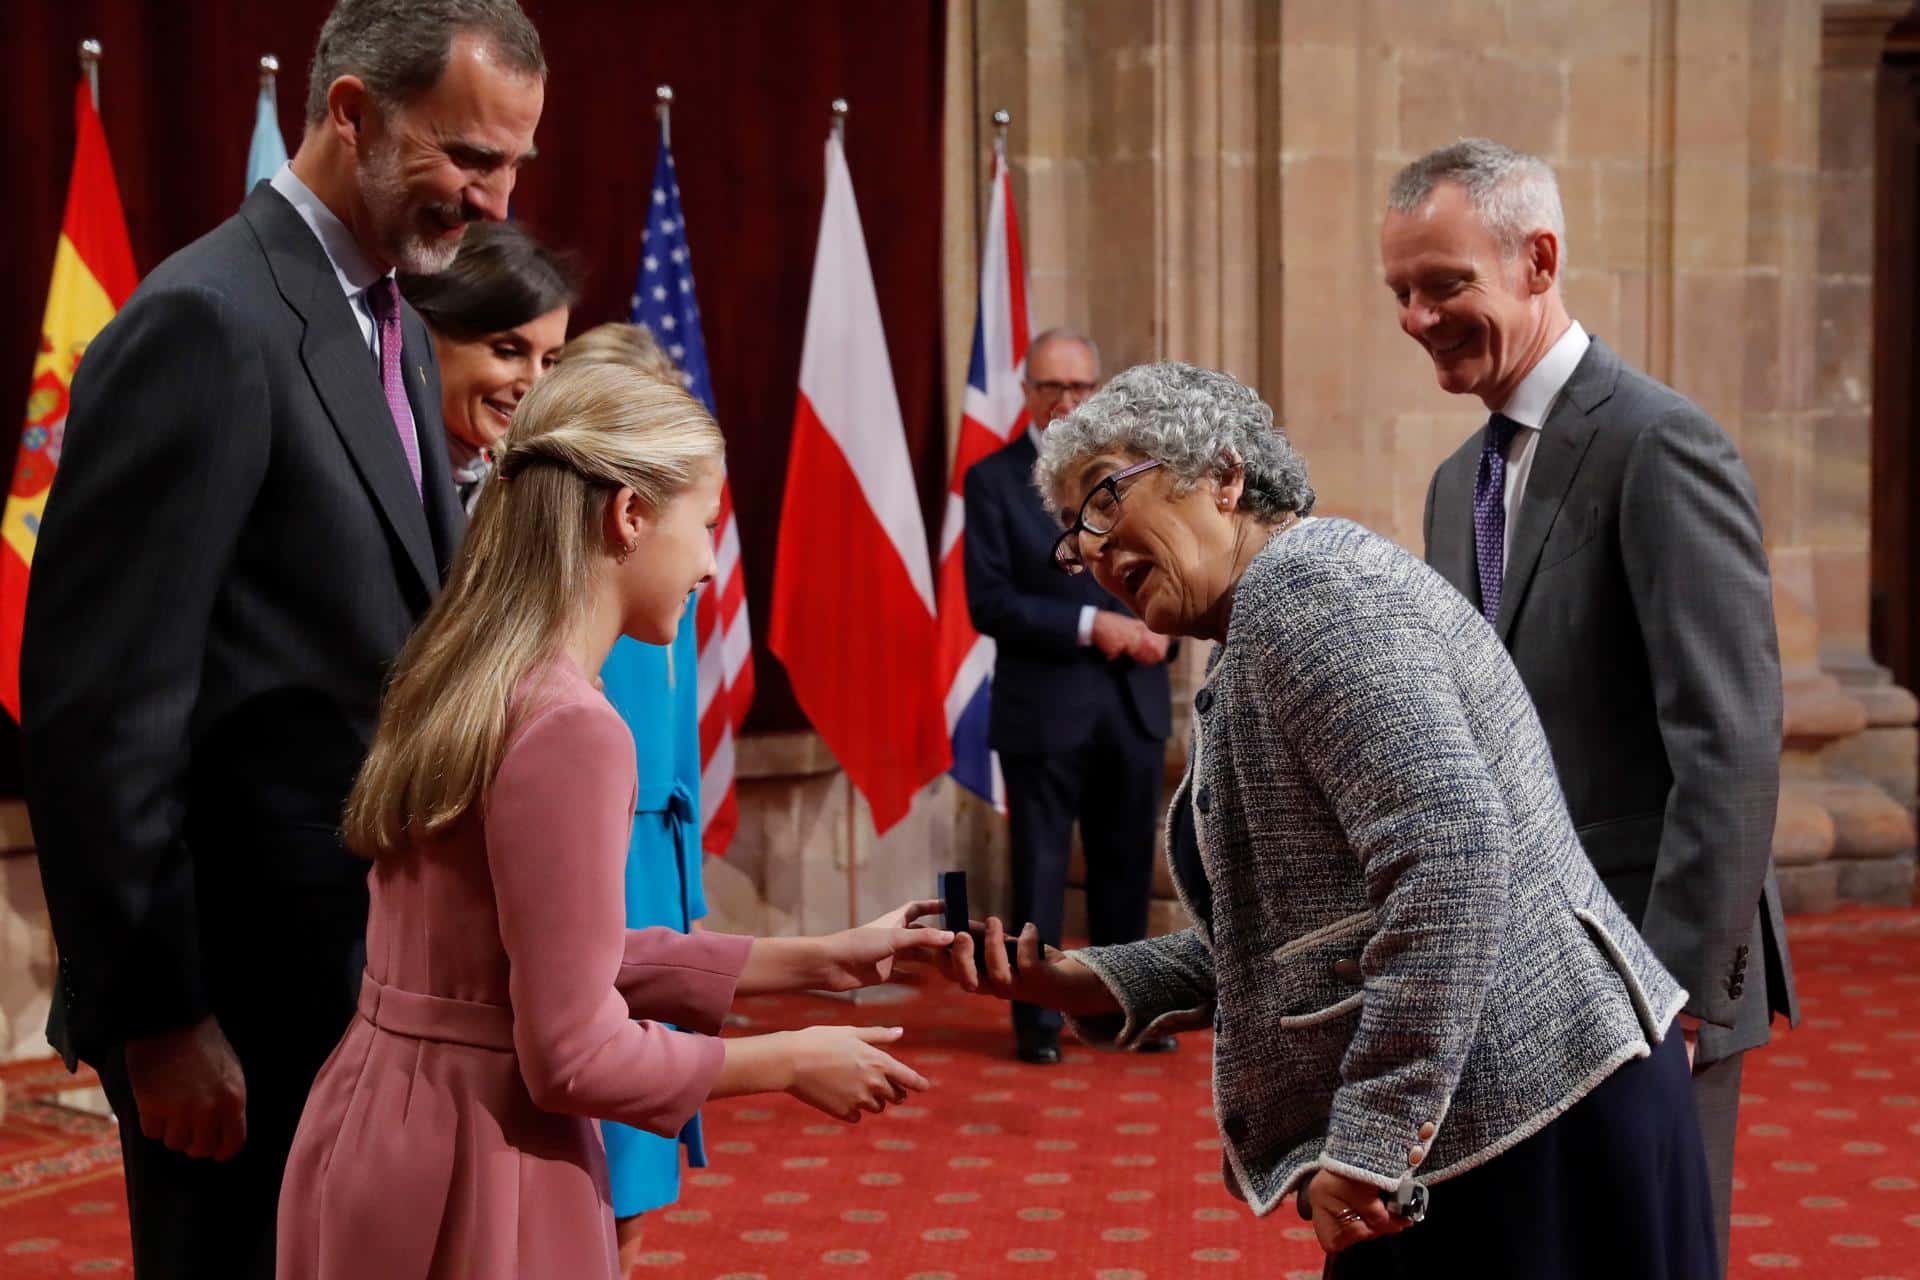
{"points": [[1079, 736]]}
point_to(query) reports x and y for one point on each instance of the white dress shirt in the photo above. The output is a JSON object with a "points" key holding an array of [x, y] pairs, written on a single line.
{"points": [[1087, 612], [1529, 405], [355, 270]]}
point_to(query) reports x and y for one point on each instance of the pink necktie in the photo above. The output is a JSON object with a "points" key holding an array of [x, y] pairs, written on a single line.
{"points": [[384, 298]]}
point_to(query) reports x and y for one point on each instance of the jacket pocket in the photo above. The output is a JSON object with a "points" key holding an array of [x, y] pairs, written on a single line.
{"points": [[1299, 1021], [1636, 992], [1320, 971]]}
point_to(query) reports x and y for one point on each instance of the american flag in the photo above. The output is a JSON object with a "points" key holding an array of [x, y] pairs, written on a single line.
{"points": [[994, 412], [663, 301]]}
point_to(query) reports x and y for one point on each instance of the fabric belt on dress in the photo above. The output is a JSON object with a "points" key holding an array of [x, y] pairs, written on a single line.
{"points": [[421, 1017]]}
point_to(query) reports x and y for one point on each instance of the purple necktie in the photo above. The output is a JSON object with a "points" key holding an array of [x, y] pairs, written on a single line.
{"points": [[384, 297], [1490, 512]]}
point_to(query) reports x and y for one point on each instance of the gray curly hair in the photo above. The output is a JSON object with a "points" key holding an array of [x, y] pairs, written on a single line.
{"points": [[1197, 422]]}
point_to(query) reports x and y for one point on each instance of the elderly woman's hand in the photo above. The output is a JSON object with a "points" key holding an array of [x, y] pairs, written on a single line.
{"points": [[1046, 975], [1347, 1211]]}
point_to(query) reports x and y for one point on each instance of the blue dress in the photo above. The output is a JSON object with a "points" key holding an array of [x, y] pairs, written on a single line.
{"points": [[663, 867]]}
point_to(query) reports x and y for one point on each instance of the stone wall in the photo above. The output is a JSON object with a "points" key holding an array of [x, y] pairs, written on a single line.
{"points": [[1203, 179]]}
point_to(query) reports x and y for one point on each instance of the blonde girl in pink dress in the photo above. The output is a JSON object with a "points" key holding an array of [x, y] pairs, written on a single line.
{"points": [[505, 1006]]}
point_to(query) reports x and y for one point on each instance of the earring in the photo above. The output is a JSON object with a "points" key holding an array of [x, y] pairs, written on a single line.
{"points": [[625, 551]]}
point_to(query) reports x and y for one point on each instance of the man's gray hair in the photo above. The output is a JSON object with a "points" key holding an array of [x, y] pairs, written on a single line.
{"points": [[400, 48], [1513, 193], [1199, 423], [1060, 333]]}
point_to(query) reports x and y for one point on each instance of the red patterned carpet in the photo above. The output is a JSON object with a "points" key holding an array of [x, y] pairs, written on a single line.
{"points": [[1107, 1166]]}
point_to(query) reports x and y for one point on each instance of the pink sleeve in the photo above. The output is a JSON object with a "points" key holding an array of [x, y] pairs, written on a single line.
{"points": [[556, 829], [686, 979]]}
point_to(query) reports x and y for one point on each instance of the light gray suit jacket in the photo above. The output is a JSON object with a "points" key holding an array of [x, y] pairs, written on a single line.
{"points": [[1397, 923], [1638, 609]]}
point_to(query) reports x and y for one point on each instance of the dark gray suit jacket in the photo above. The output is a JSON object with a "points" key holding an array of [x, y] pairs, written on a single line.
{"points": [[1638, 609], [1049, 690], [232, 556]]}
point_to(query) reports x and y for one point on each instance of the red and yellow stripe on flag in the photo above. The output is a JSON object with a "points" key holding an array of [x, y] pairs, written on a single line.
{"points": [[92, 278]]}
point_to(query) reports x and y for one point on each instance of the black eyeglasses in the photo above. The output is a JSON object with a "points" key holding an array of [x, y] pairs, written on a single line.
{"points": [[1099, 513], [1054, 390]]}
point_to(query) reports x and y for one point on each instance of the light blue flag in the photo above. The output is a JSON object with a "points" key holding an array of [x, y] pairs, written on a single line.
{"points": [[268, 151]]}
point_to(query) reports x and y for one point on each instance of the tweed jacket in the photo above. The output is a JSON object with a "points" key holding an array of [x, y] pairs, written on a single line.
{"points": [[1396, 922]]}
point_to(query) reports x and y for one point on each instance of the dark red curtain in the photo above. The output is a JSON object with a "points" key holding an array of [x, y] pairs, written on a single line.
{"points": [[753, 80]]}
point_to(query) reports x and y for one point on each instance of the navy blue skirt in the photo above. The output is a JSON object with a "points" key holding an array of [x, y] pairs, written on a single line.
{"points": [[1616, 1187]]}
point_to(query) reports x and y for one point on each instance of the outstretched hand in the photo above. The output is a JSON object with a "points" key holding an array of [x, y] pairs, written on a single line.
{"points": [[864, 957], [1044, 975]]}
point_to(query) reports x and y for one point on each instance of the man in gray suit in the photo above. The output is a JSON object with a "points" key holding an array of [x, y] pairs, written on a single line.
{"points": [[253, 510], [1607, 529]]}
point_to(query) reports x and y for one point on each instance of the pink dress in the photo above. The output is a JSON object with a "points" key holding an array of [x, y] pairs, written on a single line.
{"points": [[451, 1134]]}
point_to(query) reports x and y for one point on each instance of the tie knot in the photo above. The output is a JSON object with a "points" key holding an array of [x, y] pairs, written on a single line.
{"points": [[1500, 432], [383, 296]]}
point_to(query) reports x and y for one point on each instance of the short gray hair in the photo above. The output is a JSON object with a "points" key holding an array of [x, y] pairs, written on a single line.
{"points": [[1513, 193], [1061, 333], [399, 48], [1198, 422]]}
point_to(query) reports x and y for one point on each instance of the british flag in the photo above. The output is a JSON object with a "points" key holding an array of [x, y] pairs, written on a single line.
{"points": [[994, 411], [663, 300]]}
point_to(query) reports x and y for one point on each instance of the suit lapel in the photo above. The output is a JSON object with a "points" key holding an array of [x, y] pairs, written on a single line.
{"points": [[345, 377], [1451, 554], [445, 516], [1563, 444]]}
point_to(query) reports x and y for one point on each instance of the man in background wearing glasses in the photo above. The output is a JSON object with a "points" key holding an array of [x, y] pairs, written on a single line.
{"points": [[1080, 708]]}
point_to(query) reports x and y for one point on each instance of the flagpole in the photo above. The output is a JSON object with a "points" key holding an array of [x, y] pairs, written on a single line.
{"points": [[663, 100], [838, 110], [269, 72], [1001, 120], [90, 67]]}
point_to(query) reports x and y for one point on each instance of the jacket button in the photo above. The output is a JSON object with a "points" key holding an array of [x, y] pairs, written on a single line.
{"points": [[1235, 1128], [1204, 801], [1203, 701], [1347, 970]]}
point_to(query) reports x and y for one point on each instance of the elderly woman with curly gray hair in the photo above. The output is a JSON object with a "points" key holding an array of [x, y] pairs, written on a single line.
{"points": [[1415, 979]]}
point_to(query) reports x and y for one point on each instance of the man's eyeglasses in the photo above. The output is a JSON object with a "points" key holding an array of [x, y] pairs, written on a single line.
{"points": [[1051, 390], [1099, 513]]}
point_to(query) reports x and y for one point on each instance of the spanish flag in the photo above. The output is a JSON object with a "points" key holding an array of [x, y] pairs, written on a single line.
{"points": [[92, 278]]}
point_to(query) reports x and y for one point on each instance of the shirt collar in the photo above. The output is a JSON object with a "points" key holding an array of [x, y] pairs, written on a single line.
{"points": [[350, 262], [1033, 434], [1533, 399]]}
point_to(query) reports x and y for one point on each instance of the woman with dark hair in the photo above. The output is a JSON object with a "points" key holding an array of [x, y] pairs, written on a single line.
{"points": [[499, 318]]}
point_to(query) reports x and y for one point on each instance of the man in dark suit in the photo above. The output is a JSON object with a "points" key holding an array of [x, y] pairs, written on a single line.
{"points": [[1608, 530], [252, 511], [1080, 709]]}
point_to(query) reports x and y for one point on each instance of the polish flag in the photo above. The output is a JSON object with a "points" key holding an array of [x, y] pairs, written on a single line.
{"points": [[853, 603]]}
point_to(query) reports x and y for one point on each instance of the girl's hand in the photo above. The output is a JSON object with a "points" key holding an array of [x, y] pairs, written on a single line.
{"points": [[863, 957], [839, 1070]]}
